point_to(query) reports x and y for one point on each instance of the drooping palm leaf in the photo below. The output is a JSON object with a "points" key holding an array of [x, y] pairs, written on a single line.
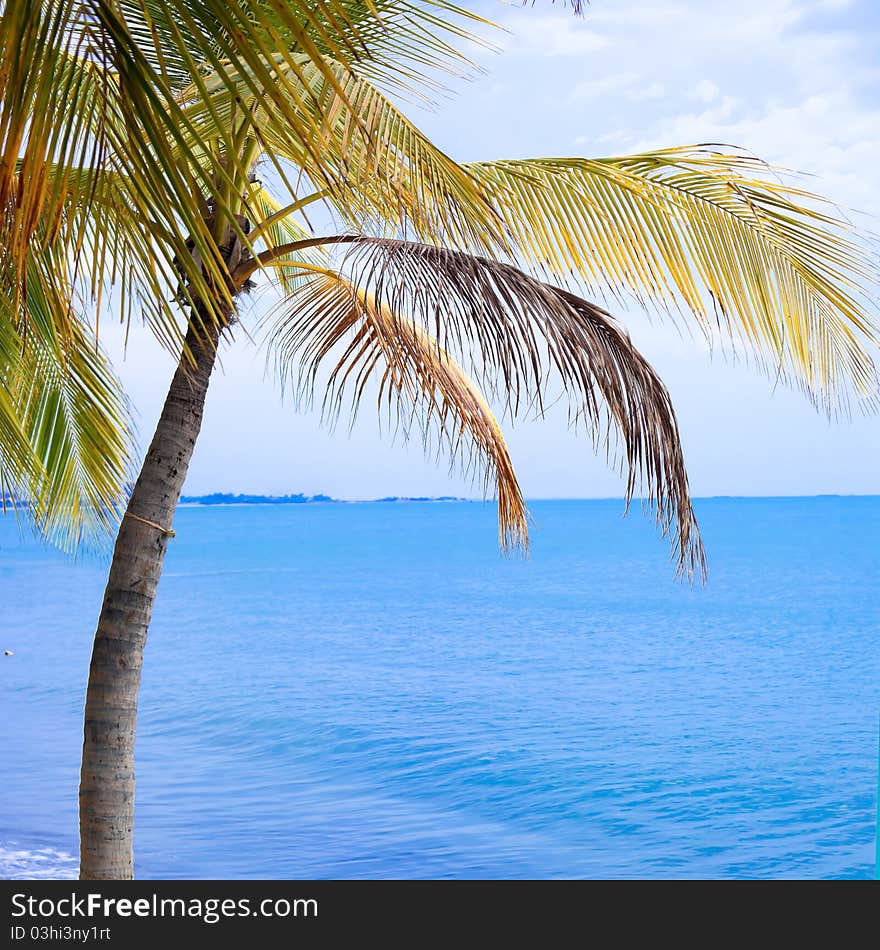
{"points": [[328, 320], [522, 337]]}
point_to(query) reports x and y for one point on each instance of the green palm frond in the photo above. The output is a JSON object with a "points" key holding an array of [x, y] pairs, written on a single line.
{"points": [[72, 415], [741, 250], [401, 45], [19, 464], [378, 171], [103, 86], [50, 100], [111, 248], [76, 94]]}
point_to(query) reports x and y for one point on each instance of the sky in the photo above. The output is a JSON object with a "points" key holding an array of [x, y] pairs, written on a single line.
{"points": [[794, 81]]}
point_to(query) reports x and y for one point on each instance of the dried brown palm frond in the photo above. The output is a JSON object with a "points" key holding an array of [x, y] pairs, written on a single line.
{"points": [[329, 319], [522, 337]]}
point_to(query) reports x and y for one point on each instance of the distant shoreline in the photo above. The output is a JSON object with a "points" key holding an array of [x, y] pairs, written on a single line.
{"points": [[228, 500]]}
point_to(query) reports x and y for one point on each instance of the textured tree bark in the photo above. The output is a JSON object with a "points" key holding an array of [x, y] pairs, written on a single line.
{"points": [[106, 795]]}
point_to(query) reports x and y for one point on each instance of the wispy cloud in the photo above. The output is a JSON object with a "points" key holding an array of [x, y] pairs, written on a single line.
{"points": [[706, 90], [557, 35], [602, 86], [790, 80], [654, 90]]}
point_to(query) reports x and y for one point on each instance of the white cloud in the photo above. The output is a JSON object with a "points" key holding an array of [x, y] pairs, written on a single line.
{"points": [[598, 88], [706, 90], [653, 91], [831, 137], [559, 35], [797, 90]]}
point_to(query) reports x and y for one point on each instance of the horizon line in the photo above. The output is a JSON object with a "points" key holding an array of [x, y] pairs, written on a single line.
{"points": [[321, 497]]}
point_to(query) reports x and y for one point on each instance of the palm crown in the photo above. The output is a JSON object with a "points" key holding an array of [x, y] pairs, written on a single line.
{"points": [[137, 141]]}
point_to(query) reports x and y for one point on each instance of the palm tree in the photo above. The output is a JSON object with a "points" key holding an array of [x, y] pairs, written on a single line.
{"points": [[158, 155]]}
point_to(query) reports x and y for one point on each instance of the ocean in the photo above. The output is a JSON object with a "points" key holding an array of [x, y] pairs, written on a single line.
{"points": [[372, 691]]}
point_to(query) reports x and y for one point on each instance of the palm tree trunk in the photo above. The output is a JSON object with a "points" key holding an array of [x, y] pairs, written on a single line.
{"points": [[106, 795]]}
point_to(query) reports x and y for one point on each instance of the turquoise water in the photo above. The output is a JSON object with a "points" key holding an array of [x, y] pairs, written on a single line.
{"points": [[371, 691]]}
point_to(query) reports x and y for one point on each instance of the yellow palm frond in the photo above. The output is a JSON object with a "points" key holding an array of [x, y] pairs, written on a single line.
{"points": [[19, 464], [742, 251]]}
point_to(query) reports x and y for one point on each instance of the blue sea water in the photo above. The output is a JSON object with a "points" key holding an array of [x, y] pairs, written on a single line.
{"points": [[370, 690]]}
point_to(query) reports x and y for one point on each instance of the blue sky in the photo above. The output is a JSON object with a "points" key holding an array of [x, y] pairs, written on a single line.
{"points": [[795, 81]]}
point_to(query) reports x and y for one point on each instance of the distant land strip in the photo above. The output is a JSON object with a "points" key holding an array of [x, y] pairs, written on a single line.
{"points": [[226, 498], [11, 503]]}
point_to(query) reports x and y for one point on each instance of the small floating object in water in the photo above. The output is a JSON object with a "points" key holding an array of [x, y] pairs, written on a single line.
{"points": [[8, 652]]}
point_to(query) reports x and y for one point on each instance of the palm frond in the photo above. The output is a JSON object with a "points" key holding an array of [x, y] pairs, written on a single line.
{"points": [[522, 338], [378, 171], [327, 316], [50, 101], [403, 46], [102, 85], [19, 463], [72, 415], [77, 96], [742, 251]]}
